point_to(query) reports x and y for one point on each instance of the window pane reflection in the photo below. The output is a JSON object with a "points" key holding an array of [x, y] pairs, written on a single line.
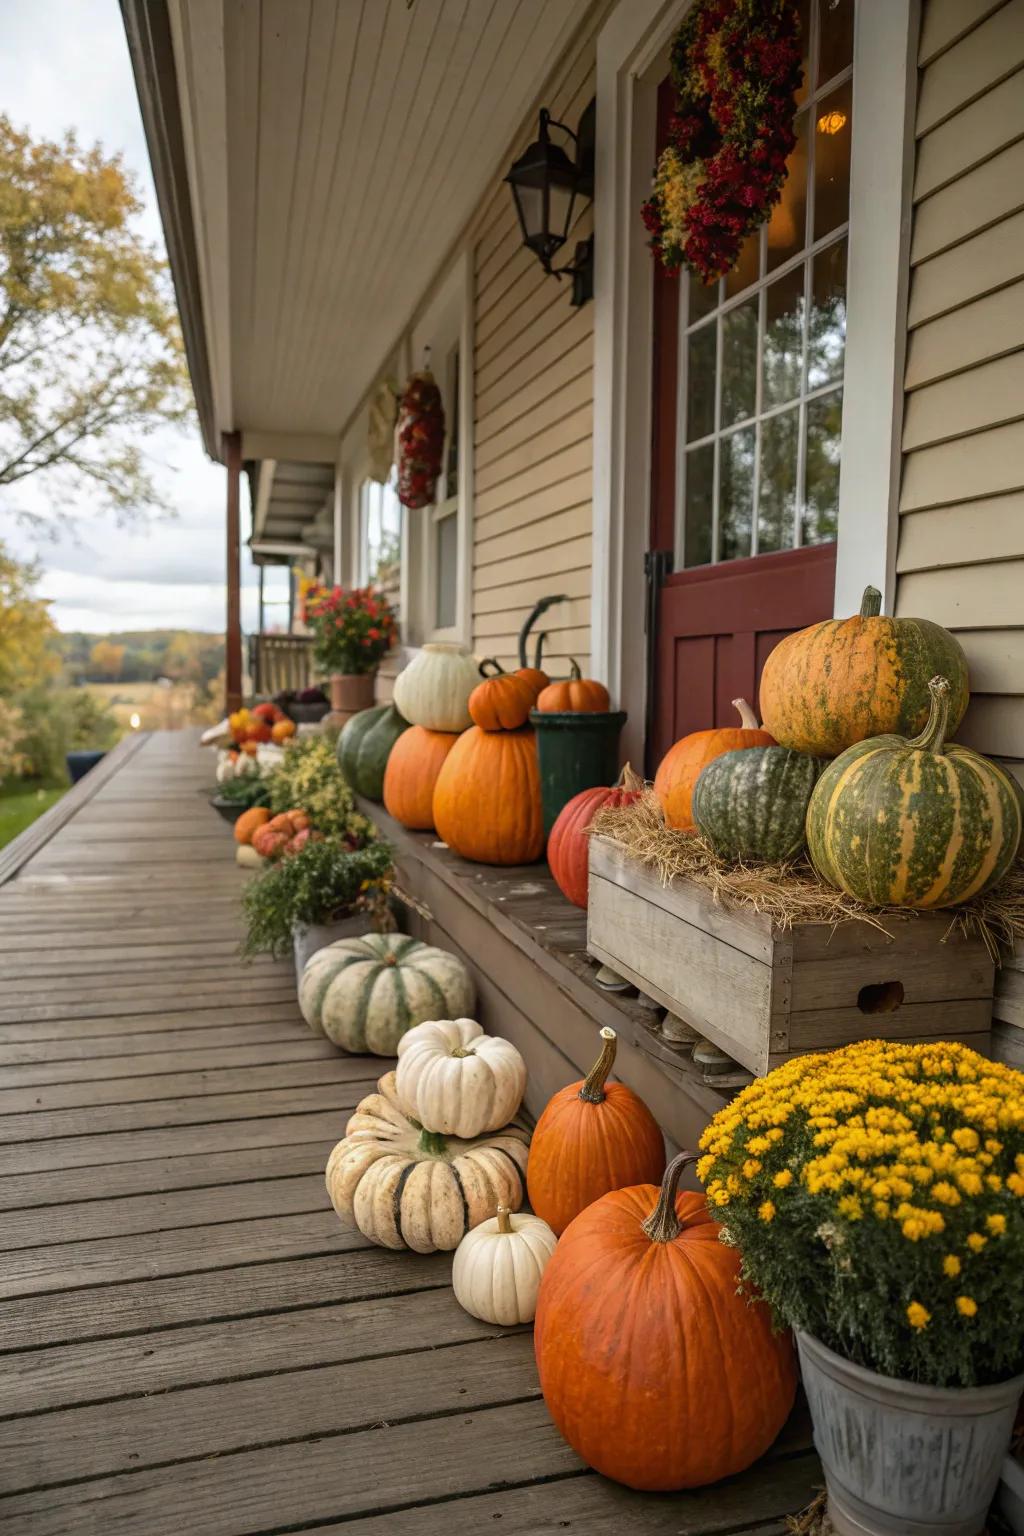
{"points": [[748, 266], [447, 536], [783, 339], [700, 473], [739, 362], [833, 128], [701, 300], [776, 515], [788, 223], [835, 38], [700, 383], [736, 494], [820, 517], [826, 323]]}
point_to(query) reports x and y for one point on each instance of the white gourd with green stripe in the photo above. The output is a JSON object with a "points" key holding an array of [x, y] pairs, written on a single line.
{"points": [[404, 1187], [456, 1080], [363, 994]]}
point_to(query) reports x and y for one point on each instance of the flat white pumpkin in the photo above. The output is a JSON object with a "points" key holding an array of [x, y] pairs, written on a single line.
{"points": [[363, 994], [498, 1267], [454, 1079], [404, 1187], [434, 689]]}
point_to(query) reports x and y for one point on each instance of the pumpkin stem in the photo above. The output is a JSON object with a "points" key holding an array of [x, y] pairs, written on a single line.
{"points": [[432, 1144], [748, 720], [491, 661], [630, 780], [460, 1051], [871, 603], [574, 671], [504, 1220], [933, 737], [663, 1224], [592, 1091]]}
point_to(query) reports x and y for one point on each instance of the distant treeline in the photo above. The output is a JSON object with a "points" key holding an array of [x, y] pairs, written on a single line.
{"points": [[136, 656]]}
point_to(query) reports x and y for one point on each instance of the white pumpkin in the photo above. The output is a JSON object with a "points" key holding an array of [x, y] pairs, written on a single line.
{"points": [[458, 1081], [434, 689], [498, 1267], [363, 994], [404, 1187]]}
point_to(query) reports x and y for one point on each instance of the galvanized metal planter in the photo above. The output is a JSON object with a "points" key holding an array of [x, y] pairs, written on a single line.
{"points": [[902, 1459], [306, 940]]}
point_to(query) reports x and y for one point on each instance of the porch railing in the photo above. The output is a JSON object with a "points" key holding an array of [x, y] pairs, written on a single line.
{"points": [[280, 662]]}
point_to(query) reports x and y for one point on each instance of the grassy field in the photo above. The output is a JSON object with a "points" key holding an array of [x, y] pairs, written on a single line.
{"points": [[159, 706], [20, 804]]}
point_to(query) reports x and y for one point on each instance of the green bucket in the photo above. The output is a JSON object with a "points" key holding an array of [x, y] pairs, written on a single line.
{"points": [[575, 751]]}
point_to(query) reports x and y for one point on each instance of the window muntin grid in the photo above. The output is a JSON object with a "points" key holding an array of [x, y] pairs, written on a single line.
{"points": [[761, 368]]}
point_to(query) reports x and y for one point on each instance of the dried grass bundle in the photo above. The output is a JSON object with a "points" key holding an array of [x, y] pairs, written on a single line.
{"points": [[791, 893]]}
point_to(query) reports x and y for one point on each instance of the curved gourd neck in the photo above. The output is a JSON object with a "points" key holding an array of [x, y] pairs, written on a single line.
{"points": [[592, 1091], [663, 1224], [933, 737], [748, 720], [871, 603]]}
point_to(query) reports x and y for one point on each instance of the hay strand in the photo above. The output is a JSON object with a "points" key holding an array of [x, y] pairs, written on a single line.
{"points": [[791, 893]]}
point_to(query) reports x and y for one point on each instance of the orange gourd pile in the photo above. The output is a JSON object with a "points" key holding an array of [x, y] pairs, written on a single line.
{"points": [[283, 835]]}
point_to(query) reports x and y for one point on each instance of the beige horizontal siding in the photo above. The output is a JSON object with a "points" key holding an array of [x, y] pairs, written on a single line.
{"points": [[960, 557]]}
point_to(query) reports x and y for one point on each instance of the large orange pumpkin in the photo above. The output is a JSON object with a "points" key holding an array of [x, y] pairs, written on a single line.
{"points": [[652, 1366], [592, 1137], [569, 840], [576, 695], [827, 687], [487, 803], [413, 765], [683, 764]]}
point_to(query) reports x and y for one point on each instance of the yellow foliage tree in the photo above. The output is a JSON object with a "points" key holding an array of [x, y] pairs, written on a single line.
{"points": [[28, 652], [90, 350], [107, 658]]}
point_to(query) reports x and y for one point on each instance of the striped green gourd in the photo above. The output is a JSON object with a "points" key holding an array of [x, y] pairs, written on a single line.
{"points": [[363, 994], [752, 803], [914, 823], [364, 747]]}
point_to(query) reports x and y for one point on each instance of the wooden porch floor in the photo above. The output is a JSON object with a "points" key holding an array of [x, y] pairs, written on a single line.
{"points": [[188, 1341]]}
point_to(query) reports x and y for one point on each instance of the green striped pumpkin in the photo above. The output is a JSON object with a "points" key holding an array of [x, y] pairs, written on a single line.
{"points": [[364, 747], [752, 803], [363, 994], [914, 823]]}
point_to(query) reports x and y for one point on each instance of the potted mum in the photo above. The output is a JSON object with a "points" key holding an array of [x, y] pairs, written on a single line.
{"points": [[353, 629], [326, 891], [877, 1197]]}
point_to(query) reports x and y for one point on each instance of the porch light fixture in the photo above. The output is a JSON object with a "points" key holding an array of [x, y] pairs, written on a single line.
{"points": [[545, 184]]}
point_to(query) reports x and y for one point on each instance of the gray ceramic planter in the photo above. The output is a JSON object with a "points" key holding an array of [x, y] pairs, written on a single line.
{"points": [[306, 940], [902, 1459]]}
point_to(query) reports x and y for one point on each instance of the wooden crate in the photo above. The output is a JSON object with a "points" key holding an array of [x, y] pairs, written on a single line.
{"points": [[763, 994]]}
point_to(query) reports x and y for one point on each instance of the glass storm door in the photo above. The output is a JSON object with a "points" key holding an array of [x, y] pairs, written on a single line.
{"points": [[748, 399]]}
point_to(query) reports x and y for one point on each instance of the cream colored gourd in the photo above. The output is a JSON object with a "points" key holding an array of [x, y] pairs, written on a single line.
{"points": [[404, 1187], [434, 689], [498, 1267], [363, 994], [458, 1081]]}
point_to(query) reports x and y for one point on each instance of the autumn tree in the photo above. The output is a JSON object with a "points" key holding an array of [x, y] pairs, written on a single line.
{"points": [[90, 350], [28, 635], [107, 658]]}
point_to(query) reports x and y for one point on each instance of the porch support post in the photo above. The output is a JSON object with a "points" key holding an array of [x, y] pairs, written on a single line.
{"points": [[259, 624], [233, 627]]}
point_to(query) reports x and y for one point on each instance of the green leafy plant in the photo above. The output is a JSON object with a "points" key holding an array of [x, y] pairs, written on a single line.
{"points": [[323, 882], [245, 790], [876, 1195], [309, 779]]}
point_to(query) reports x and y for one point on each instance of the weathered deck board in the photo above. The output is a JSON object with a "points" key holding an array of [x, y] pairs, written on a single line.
{"points": [[188, 1339]]}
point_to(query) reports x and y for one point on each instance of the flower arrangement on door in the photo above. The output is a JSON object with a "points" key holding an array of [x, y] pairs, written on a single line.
{"points": [[420, 439], [735, 69]]}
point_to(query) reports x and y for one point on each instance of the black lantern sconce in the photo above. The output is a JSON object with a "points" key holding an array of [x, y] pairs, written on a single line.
{"points": [[546, 183]]}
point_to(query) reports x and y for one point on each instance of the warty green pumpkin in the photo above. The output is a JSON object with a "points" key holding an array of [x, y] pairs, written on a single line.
{"points": [[404, 1187], [752, 803], [914, 823], [364, 747], [836, 683], [363, 994]]}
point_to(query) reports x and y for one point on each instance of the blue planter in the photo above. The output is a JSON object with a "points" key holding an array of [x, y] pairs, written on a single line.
{"points": [[79, 763]]}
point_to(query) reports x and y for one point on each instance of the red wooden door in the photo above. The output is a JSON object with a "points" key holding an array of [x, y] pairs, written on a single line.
{"points": [[746, 416]]}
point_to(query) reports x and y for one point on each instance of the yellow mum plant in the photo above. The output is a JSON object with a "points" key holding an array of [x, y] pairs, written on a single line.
{"points": [[877, 1197]]}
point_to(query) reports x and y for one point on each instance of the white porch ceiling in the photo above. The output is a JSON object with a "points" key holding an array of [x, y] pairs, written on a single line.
{"points": [[334, 150]]}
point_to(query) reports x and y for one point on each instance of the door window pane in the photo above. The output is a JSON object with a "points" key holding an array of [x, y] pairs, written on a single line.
{"points": [[446, 535], [835, 37], [788, 223], [739, 362], [806, 7], [833, 132], [736, 494], [776, 516], [821, 497], [700, 382], [702, 299], [826, 322], [747, 268], [697, 514], [783, 339]]}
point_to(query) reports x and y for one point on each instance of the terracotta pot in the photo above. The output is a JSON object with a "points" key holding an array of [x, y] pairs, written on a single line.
{"points": [[350, 693]]}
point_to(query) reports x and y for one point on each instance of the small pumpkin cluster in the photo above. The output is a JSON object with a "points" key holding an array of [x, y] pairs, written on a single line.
{"points": [[852, 762]]}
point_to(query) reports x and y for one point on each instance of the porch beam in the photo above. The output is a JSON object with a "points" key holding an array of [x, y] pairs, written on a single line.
{"points": [[290, 447], [232, 451]]}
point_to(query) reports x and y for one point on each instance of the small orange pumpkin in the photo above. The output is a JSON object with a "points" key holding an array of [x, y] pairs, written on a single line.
{"points": [[249, 822], [281, 730], [576, 695], [502, 702], [410, 777], [653, 1367], [487, 803], [683, 763], [592, 1137], [537, 679]]}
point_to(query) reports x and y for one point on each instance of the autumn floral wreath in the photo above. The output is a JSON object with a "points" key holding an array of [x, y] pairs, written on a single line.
{"points": [[735, 69]]}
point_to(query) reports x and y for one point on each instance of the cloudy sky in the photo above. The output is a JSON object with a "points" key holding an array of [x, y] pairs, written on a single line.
{"points": [[64, 64]]}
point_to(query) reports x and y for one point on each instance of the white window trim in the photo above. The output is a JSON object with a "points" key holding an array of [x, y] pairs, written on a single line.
{"points": [[631, 59]]}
